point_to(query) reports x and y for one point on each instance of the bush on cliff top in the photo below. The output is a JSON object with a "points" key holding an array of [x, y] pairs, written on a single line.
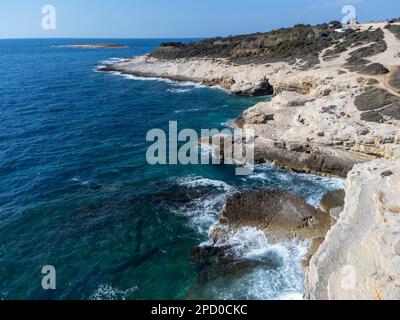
{"points": [[286, 44]]}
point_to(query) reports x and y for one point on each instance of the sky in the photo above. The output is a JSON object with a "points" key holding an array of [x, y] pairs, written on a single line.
{"points": [[176, 18]]}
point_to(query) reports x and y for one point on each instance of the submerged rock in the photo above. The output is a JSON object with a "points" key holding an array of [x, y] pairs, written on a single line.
{"points": [[216, 262]]}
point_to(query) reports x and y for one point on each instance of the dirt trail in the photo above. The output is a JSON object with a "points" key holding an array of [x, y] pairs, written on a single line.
{"points": [[390, 58]]}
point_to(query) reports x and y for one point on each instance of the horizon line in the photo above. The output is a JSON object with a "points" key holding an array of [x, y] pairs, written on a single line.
{"points": [[116, 38]]}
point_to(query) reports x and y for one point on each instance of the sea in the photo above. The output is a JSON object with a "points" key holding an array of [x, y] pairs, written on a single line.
{"points": [[77, 193]]}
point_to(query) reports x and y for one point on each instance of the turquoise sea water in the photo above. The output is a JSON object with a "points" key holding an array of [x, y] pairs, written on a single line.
{"points": [[77, 193]]}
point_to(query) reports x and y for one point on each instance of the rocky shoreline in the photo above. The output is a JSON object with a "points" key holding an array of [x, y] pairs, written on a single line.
{"points": [[319, 120], [337, 113]]}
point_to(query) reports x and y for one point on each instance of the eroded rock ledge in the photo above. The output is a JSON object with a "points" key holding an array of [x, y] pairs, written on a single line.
{"points": [[239, 80], [282, 215], [360, 257]]}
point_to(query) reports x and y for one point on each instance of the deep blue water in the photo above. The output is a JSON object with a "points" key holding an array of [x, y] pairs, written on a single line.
{"points": [[77, 193]]}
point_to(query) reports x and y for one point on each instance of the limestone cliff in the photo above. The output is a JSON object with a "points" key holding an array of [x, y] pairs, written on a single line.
{"points": [[360, 257], [325, 116]]}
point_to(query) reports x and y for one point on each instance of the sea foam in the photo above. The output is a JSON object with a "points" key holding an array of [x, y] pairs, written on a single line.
{"points": [[108, 292]]}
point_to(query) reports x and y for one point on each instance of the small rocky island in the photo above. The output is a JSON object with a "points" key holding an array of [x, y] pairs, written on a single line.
{"points": [[95, 46], [335, 111]]}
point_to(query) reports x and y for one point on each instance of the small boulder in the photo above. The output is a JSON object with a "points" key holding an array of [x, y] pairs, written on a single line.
{"points": [[373, 99], [372, 116], [372, 82], [387, 173], [332, 200]]}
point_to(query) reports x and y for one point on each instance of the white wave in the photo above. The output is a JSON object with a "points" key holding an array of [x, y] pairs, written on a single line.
{"points": [[183, 87], [139, 78], [108, 292], [332, 183], [108, 62], [297, 183], [132, 77], [249, 243], [203, 212], [290, 296], [262, 284], [187, 110], [113, 61], [201, 181], [94, 185], [207, 149], [177, 90], [194, 85], [252, 243], [229, 124], [287, 175], [97, 68], [284, 282], [81, 181]]}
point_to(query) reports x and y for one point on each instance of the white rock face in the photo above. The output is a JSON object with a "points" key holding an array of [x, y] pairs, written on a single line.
{"points": [[312, 108], [360, 257]]}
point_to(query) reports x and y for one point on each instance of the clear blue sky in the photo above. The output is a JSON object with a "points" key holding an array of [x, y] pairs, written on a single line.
{"points": [[176, 18]]}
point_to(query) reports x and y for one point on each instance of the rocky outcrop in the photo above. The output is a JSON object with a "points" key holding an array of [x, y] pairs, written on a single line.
{"points": [[371, 39], [281, 215], [360, 257], [332, 203], [332, 200], [394, 80], [239, 80], [308, 158], [374, 69], [373, 99], [378, 105], [262, 88], [394, 28]]}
